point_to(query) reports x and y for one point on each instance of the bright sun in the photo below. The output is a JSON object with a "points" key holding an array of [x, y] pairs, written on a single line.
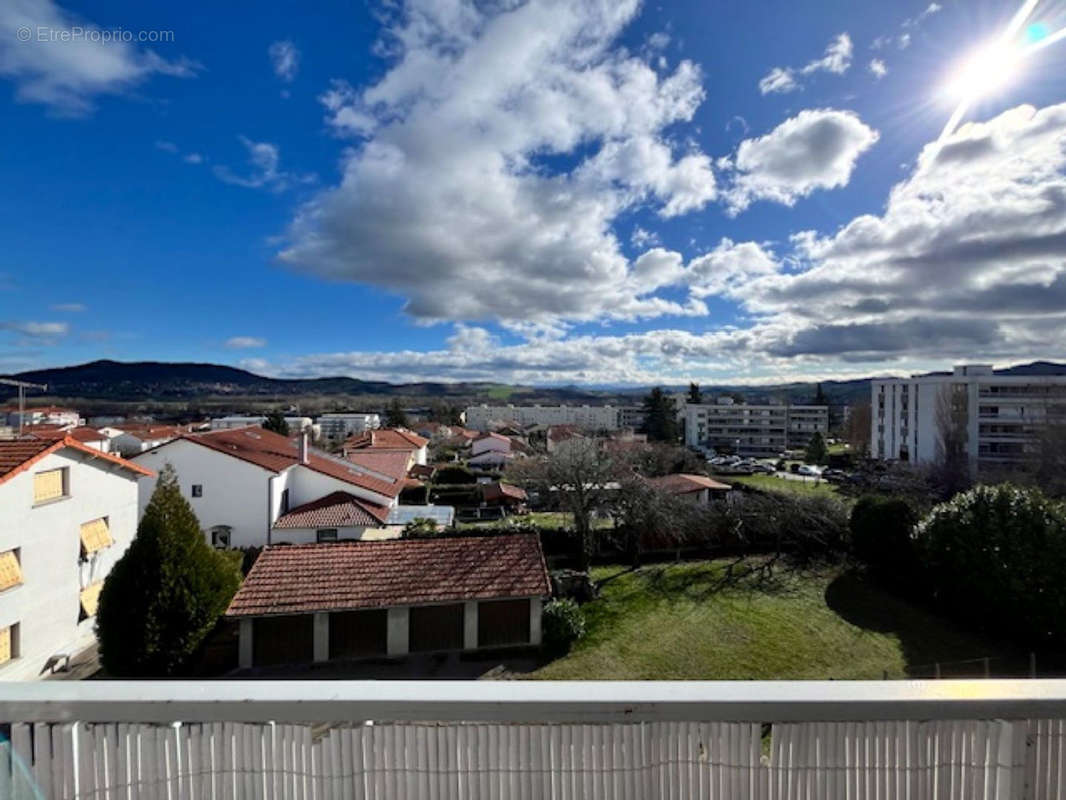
{"points": [[983, 71]]}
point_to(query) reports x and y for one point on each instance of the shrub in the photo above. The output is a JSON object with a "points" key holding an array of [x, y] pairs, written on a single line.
{"points": [[995, 557], [166, 593], [881, 530], [563, 624]]}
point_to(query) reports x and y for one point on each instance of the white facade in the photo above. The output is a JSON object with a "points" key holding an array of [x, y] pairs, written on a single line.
{"points": [[1003, 414], [490, 444], [130, 444], [338, 427], [239, 499], [296, 424], [753, 430], [45, 416], [593, 418], [46, 606]]}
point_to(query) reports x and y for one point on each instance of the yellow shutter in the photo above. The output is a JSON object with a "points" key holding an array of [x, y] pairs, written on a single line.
{"points": [[47, 485], [5, 645], [90, 598], [10, 571], [95, 536]]}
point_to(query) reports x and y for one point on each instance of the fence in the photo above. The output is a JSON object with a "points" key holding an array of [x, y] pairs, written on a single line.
{"points": [[559, 742]]}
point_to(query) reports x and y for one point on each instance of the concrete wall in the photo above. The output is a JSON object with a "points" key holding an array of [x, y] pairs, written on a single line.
{"points": [[47, 605]]}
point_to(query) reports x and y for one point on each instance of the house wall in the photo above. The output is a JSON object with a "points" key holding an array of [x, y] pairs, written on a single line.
{"points": [[47, 604], [309, 535]]}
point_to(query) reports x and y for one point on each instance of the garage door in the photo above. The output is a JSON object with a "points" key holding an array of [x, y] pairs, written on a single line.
{"points": [[283, 640], [436, 628], [502, 622], [358, 634]]}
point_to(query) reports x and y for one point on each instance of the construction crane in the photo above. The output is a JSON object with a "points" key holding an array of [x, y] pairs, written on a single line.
{"points": [[22, 387]]}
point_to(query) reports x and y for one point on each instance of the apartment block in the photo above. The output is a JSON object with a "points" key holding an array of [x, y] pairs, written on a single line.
{"points": [[593, 418], [1003, 416], [753, 430]]}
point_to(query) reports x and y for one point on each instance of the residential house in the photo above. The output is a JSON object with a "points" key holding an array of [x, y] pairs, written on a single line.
{"points": [[296, 424], [560, 437], [698, 489], [338, 427], [504, 495], [131, 439], [491, 451], [41, 415], [389, 440], [67, 513], [88, 436], [314, 603], [242, 483]]}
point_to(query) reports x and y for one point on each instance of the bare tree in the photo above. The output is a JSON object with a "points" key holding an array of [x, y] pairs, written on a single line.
{"points": [[952, 459], [857, 428], [584, 476]]}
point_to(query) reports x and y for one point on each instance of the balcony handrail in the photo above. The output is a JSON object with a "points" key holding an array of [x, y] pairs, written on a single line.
{"points": [[328, 701]]}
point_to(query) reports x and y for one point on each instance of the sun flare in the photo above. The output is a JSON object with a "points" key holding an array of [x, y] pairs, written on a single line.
{"points": [[984, 71]]}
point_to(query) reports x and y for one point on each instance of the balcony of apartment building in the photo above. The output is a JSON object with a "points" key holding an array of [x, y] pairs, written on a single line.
{"points": [[993, 739]]}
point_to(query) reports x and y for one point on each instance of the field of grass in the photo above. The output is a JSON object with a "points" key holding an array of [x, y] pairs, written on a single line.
{"points": [[684, 621], [542, 519], [772, 483]]}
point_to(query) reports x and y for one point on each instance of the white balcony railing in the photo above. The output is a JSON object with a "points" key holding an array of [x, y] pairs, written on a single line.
{"points": [[339, 739]]}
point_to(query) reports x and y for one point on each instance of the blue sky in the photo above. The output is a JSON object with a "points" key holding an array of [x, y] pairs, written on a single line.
{"points": [[543, 192]]}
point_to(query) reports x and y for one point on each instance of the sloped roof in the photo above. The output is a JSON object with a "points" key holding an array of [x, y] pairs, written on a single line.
{"points": [[335, 510], [386, 438], [18, 455], [684, 483], [276, 453], [501, 491], [384, 462], [350, 575], [52, 432]]}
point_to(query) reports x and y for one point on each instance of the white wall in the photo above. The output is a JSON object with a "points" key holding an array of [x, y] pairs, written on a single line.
{"points": [[309, 535], [47, 604]]}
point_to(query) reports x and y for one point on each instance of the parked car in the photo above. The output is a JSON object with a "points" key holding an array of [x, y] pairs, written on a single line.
{"points": [[764, 468], [835, 475], [809, 471]]}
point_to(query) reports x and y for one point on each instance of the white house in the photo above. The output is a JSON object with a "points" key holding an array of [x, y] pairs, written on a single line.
{"points": [[296, 424], [242, 482], [42, 415], [129, 440], [390, 440], [338, 427], [491, 451], [67, 514], [88, 436]]}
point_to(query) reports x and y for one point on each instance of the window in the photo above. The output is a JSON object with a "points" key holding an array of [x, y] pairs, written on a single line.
{"points": [[197, 490], [220, 536], [10, 569], [284, 501], [9, 643], [95, 535], [50, 485], [326, 535]]}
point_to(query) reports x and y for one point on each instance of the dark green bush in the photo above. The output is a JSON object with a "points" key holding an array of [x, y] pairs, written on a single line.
{"points": [[563, 624], [995, 558], [166, 593], [881, 530]]}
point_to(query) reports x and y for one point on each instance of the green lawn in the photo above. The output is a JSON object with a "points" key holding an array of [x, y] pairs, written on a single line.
{"points": [[772, 483], [542, 519], [680, 621]]}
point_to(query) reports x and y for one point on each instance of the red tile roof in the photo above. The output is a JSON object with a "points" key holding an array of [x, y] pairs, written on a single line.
{"points": [[82, 433], [386, 438], [384, 462], [335, 510], [277, 453], [398, 572], [18, 455], [503, 491], [152, 433], [684, 483]]}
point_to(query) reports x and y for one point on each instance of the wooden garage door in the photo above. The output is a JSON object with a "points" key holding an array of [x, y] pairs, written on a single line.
{"points": [[283, 640], [436, 628], [358, 634], [502, 622]]}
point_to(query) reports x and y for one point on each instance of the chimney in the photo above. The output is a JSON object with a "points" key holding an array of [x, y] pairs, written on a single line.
{"points": [[303, 447]]}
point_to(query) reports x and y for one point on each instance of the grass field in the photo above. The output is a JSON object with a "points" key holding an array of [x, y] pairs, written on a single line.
{"points": [[772, 483], [682, 621], [542, 519]]}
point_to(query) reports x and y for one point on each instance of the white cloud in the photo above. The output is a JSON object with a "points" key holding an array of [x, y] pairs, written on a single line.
{"points": [[642, 238], [68, 76], [877, 68], [816, 149], [915, 21], [452, 195], [193, 158], [285, 59], [36, 333], [904, 41], [265, 173], [836, 60], [729, 268], [245, 342], [68, 307], [165, 146]]}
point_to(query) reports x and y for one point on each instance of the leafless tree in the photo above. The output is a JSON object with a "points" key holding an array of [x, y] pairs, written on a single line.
{"points": [[952, 469], [857, 428]]}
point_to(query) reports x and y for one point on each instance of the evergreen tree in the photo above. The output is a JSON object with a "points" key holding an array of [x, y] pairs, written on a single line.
{"points": [[166, 593], [819, 397], [275, 421], [817, 452], [660, 417], [695, 396], [395, 416]]}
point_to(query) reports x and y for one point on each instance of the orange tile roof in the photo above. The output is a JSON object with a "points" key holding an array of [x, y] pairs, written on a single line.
{"points": [[398, 572], [684, 483], [335, 510], [277, 453], [385, 462], [82, 433], [18, 455], [386, 438]]}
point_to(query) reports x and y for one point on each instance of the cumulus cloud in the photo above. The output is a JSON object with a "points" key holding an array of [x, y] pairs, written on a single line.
{"points": [[68, 76], [245, 342], [454, 194], [285, 59], [836, 60], [877, 68], [816, 149]]}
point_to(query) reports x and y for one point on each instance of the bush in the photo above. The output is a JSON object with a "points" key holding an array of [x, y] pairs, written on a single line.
{"points": [[563, 624], [166, 593], [881, 530], [994, 557]]}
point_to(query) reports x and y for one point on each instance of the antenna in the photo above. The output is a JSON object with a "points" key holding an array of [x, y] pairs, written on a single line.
{"points": [[22, 387]]}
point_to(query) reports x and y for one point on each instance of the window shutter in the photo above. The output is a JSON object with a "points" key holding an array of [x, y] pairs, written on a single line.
{"points": [[48, 485], [95, 536], [90, 598], [5, 645], [10, 570]]}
